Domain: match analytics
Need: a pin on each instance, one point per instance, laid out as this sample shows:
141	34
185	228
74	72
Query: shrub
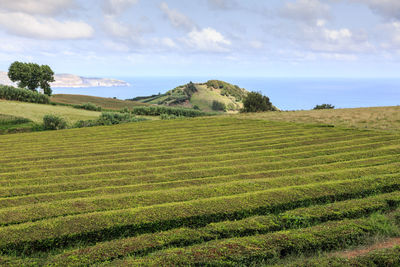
168	117
256	102
108	118
24	95
196	107
158	110
218	106
53	122
125	110
324	106
88	106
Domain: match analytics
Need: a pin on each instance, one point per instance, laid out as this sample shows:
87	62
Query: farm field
35	112
205	191
105	103
381	118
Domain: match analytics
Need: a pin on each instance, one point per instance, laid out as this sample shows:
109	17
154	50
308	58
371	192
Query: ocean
285	93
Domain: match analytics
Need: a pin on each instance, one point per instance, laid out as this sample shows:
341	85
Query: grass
104	103
205	191
382	118
35	112
204	97
12	124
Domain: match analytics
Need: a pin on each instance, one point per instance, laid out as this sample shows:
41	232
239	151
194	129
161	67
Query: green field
12	124
381	118
203	191
105	103
35	112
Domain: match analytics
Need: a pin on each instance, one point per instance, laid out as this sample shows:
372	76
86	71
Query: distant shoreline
73	81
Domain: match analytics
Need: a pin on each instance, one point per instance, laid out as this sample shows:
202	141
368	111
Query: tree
256	102
218	106
47	76
31	76
324	106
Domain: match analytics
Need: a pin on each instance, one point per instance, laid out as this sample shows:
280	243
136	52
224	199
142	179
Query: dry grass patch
382	118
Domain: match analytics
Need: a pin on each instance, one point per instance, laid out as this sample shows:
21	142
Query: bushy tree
218	106
53	122
324	106
256	102
31	76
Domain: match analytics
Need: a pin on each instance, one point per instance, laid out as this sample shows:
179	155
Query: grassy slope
35	112
222	190
106	103
10	123
383	118
203	98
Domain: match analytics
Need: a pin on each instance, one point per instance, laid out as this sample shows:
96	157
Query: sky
237	38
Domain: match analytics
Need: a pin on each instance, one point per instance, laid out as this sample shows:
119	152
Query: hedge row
269	247
158	110
280	141
381	257
281	138
101	226
215	155
215	149
145	198
142	182
301	217
124	200
187	152
258	163
55	180
24	95
63	191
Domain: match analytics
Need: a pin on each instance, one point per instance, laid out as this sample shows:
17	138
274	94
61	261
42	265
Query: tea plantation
204	191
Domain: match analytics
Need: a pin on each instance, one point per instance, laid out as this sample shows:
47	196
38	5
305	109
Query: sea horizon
295	93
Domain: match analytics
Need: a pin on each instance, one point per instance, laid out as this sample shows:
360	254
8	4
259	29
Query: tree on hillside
256	102
324	106
31	76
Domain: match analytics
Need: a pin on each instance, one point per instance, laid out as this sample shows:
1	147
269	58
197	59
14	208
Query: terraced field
217	191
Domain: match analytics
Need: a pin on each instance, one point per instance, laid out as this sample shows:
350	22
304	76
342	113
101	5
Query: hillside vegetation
200	95
203	191
35	112
382	118
103	102
12	124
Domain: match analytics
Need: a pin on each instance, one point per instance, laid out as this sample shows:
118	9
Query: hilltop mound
204	96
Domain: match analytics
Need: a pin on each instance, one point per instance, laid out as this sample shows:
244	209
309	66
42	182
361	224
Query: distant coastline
73	81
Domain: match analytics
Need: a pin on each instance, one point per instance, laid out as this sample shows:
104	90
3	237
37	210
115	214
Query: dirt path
389	243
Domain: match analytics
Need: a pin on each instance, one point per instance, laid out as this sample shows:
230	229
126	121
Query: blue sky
274	38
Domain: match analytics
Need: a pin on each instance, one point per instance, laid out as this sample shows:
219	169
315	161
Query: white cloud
389	34
207	40
26	25
223	4
256	44
176	18
340	41
116	28
308	11
168	42
43	7
387	8
116	7
115	46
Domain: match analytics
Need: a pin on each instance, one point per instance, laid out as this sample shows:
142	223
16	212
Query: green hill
201	95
